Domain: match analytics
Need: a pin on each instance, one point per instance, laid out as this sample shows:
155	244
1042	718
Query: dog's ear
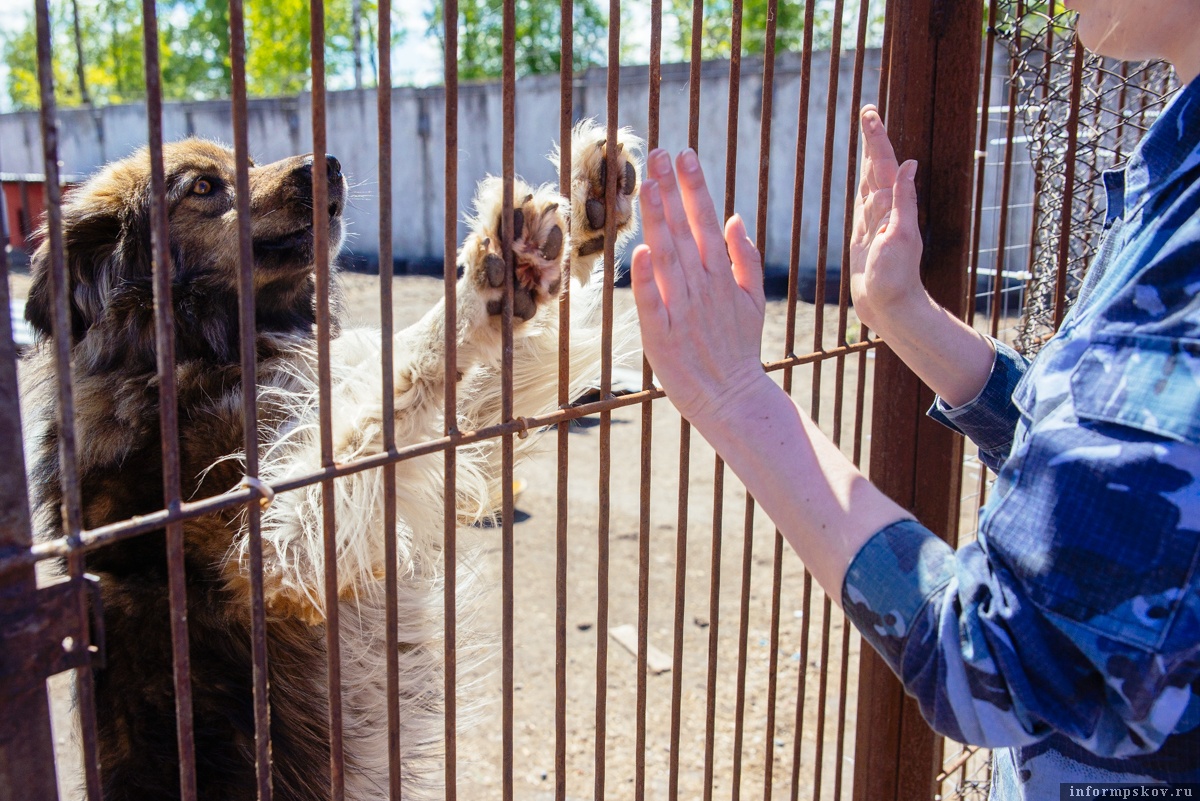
97	255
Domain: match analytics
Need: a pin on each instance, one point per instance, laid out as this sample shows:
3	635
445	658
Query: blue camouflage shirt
1068	636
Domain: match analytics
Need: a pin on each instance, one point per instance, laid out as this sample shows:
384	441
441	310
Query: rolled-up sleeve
990	418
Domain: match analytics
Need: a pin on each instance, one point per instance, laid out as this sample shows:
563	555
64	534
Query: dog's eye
202	187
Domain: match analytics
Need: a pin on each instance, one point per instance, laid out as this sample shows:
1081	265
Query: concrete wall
281	127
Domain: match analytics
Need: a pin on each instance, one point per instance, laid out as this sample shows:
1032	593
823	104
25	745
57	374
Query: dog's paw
538	242
590	206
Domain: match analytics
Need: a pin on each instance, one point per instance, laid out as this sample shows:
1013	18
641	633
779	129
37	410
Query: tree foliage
538	36
193	49
717	27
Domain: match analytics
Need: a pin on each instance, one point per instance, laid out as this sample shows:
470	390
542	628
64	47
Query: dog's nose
335	167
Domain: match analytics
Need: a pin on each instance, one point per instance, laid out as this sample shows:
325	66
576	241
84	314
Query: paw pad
537	246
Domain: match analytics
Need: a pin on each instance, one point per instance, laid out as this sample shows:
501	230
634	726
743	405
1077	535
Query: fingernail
869	123
650	192
910	170
688	160
660	163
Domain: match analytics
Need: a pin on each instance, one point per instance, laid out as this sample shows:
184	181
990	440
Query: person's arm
995	641
701	318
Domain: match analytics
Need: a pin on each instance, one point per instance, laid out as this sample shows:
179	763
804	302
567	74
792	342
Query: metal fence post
931	100
26	744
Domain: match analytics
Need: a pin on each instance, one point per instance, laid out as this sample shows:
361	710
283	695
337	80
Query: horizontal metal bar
141	524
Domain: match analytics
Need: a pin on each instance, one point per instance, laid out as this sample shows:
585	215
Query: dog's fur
107	237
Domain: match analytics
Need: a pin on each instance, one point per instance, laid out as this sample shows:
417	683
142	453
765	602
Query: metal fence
831	722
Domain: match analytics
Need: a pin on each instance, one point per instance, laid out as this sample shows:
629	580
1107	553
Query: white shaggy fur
292	524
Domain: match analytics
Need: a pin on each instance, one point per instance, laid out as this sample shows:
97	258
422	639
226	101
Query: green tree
717	30
193	49
538	36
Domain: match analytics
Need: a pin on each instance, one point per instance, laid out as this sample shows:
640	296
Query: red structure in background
24	205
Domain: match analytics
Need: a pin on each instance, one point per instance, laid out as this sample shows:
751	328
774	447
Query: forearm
953	359
822	504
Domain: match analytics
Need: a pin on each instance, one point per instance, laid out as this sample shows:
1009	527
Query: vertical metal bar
835	60
760	234
885	56
685	444
714	595
566	105
610	234
383	113
1064	233
694	75
320	193
639	782
26	741
835	54
981	157
72	507
506	393
450	412
685	430
802	681
164	334
789	350
840	369
714	625
739	704
248	342
1005	185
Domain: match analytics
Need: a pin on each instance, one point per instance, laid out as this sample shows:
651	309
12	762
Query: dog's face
106	230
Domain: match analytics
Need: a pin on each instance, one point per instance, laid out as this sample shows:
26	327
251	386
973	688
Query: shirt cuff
889	582
990	418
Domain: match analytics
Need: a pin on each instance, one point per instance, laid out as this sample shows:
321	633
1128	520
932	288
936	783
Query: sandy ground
479	744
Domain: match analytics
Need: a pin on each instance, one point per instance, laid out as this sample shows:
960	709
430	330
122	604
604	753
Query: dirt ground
831	661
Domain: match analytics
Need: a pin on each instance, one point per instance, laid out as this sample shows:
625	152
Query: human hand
699	294
885	247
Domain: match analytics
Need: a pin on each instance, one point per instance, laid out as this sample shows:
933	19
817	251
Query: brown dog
107	236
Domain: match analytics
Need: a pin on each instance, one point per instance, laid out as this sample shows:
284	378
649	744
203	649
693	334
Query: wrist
899	315
736	405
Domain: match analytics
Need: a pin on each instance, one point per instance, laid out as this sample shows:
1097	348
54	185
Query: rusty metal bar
739	703
565	108
685	452
835	55
1005	186
566	105
1064	235
249	357
26	739
72	507
645	461
164	335
840	361
835	60
981	157
383	113
714	592
320	194
506	400
714	601
606	340
760	234
450	412
802	681
115	532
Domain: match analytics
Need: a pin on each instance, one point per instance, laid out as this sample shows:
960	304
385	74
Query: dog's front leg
538	244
